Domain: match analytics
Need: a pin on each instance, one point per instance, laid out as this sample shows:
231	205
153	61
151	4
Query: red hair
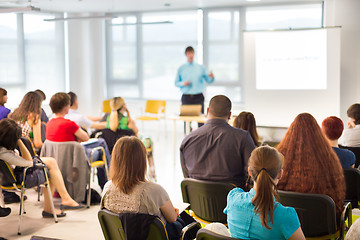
311	165
332	127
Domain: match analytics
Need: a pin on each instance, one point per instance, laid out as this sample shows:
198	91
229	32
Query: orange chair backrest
106	106
155	106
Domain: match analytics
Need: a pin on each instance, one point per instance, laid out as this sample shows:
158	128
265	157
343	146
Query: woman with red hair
333	128
311	165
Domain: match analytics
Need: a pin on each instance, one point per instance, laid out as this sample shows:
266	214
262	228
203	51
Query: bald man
217	151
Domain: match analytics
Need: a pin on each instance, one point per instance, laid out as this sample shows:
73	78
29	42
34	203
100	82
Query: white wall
280	107
345	13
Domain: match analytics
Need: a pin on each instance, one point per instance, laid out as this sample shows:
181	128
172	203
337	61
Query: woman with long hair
311	165
28	116
4	112
10	134
129	191
117	119
257	214
246	121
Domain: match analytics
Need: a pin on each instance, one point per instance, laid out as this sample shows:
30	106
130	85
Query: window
9	68
44	54
164	46
284	17
143	58
123	71
32	55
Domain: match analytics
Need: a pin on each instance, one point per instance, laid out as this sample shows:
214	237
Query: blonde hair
265	163
117	103
128	163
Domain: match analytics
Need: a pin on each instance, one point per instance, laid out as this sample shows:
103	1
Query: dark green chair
204	234
207	199
352	179
317	214
113	230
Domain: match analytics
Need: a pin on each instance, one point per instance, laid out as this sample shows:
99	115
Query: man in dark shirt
217	151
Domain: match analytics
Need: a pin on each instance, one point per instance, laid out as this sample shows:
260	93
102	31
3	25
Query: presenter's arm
178	80
208	77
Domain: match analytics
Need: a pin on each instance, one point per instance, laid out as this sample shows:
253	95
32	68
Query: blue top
245	224
194	73
347	158
4	112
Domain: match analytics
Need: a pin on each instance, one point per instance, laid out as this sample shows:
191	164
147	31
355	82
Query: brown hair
3	93
10	133
220	106
311	165
128	163
58	101
31	103
41	93
246	121
265	164
354	112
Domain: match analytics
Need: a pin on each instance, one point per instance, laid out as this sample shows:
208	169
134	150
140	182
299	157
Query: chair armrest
346	214
189	227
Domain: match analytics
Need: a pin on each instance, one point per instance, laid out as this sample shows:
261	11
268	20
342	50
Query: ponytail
265	163
264	197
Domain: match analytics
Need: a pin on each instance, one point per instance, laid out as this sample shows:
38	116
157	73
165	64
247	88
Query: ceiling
100	6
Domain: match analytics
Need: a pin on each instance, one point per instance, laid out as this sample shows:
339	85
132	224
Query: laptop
190	110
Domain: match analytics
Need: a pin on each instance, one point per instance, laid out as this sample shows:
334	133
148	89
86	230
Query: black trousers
188	99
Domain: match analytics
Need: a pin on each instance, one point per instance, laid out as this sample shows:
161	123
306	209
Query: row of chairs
207	200
10	183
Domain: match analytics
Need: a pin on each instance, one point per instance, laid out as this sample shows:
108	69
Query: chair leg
52	201
21	209
89	190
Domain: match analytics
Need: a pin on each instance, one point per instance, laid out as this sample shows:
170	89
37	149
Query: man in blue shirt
191	78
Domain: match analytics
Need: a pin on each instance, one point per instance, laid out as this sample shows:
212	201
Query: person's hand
187	83
177	211
351	124
211	74
112	107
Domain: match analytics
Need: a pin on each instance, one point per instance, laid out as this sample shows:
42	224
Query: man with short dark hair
43	116
191	78
217	151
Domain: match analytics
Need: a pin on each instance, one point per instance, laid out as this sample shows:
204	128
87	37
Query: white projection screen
290	72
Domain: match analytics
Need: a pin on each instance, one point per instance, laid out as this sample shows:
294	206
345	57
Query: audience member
257	214
4	112
354	231
80	119
10	138
217	151
59	129
246	121
44	117
117	119
351	135
28	115
333	128
128	191
311	165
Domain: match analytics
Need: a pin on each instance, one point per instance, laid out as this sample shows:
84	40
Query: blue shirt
245	224
4	112
347	158
194	73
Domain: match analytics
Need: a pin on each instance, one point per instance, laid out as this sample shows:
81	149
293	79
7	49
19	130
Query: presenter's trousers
196	99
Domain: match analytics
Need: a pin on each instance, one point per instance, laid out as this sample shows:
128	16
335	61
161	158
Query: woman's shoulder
153	187
284	213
